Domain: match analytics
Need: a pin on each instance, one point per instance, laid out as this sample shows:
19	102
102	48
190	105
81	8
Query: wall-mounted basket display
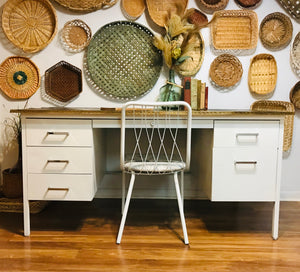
19	77
133	9
86	5
262	75
234	31
292	7
121	61
75	36
29	25
226	70
295	95
295	54
276	31
196	17
63	82
248	4
279	106
191	65
160	10
210	6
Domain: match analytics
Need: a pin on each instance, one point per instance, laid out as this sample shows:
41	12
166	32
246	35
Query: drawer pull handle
247	137
245	162
57	133
60	136
58	189
58	161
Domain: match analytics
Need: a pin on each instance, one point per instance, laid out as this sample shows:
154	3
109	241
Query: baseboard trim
290	196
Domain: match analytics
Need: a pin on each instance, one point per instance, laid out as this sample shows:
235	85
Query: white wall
238	98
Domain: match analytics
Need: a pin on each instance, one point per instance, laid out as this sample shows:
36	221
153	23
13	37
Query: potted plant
12	177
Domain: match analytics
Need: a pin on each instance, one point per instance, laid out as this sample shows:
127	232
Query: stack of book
195	92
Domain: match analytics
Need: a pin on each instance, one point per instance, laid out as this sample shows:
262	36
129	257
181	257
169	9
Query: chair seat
154	167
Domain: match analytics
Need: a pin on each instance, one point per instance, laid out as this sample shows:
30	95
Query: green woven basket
121	61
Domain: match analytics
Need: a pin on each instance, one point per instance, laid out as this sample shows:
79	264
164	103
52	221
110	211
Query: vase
171	91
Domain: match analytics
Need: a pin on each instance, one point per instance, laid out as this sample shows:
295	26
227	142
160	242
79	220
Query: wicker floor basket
276	31
210	6
295	95
282	106
86	5
262	75
29	25
295	55
226	70
160	10
133	9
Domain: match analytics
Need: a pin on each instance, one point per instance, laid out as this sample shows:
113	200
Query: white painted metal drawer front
58	132
60	187
72	160
244	174
246	133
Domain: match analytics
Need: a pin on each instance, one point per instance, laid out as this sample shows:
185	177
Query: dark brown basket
12	184
295	95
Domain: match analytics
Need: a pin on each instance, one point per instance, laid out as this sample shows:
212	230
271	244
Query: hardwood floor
80	236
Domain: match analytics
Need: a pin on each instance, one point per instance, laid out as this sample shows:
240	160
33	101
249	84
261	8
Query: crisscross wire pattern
155	137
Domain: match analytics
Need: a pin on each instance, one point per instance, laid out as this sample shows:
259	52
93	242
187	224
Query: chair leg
182	187
123	190
125	210
180	206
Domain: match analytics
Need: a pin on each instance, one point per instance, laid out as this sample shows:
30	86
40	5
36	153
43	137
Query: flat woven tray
276	31
269	105
75	36
160	10
19	77
295	95
86	5
226	70
262	75
251	4
121	61
292	7
196	53
210	6
295	54
133	9
63	81
234	30
29	25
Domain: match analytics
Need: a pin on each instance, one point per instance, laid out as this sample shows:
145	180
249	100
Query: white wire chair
154	147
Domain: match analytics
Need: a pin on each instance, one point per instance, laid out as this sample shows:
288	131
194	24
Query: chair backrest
156	132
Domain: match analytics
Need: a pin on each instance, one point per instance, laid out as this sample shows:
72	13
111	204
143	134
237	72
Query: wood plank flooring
80	236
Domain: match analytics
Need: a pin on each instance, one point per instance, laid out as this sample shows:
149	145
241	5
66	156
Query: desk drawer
244	174
72	160
246	133
58	132
60	187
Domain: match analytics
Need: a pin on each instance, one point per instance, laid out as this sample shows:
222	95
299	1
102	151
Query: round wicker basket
19	77
86	5
295	55
210	6
29	25
160	10
276	31
226	70
248	4
133	9
292	7
262	75
295	95
75	36
196	17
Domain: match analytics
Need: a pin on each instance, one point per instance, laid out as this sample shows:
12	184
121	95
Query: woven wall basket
248	4
75	36
191	66
86	5
226	70
19	77
160	10
292	7
279	106
295	95
121	61
133	9
29	25
196	17
295	54
276	31
262	75
210	6
234	31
